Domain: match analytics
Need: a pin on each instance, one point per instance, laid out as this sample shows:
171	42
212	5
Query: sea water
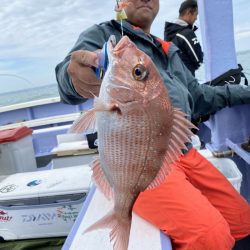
28	94
51	90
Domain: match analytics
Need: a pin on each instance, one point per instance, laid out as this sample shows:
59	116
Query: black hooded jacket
184	38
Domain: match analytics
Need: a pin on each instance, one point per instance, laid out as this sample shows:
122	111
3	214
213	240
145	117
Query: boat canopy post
217	29
216	19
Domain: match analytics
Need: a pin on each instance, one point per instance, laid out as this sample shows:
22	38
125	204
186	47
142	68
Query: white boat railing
30	104
43	121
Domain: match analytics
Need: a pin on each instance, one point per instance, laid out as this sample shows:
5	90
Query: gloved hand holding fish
140	134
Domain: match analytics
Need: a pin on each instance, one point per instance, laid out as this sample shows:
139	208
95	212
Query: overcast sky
37	34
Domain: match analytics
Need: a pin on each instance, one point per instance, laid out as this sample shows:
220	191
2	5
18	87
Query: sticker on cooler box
8	188
40	218
67	213
4	216
34	183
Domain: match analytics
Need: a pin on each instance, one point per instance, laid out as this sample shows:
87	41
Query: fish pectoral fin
100	180
120	229
85	122
181	132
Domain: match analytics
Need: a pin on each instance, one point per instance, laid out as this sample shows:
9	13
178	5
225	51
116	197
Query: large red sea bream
140	134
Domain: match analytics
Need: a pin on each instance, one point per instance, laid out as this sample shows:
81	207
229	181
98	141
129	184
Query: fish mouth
124	43
114	49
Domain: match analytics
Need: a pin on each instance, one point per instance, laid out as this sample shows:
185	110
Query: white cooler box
226	166
16	151
43	203
229	169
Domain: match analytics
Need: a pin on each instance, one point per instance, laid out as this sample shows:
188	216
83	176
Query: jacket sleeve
209	99
91	39
189	44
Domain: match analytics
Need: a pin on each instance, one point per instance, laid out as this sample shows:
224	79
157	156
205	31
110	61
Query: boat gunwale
29	104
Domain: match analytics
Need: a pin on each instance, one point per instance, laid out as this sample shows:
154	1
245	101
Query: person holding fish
147	162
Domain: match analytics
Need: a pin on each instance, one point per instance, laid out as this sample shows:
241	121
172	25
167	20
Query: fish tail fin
119	235
120	230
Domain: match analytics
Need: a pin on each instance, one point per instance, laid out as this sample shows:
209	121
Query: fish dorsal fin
85	122
181	132
100	179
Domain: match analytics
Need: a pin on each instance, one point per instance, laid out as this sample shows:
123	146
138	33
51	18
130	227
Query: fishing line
117	2
120	15
122	27
18	77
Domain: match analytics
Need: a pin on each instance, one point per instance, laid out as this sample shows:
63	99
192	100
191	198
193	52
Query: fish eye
140	72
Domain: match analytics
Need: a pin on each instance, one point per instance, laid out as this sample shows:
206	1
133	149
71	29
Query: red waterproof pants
196	207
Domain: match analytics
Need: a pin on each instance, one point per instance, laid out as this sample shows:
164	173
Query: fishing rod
18	77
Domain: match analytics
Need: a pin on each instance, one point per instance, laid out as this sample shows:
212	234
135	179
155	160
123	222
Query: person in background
196	206
182	34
